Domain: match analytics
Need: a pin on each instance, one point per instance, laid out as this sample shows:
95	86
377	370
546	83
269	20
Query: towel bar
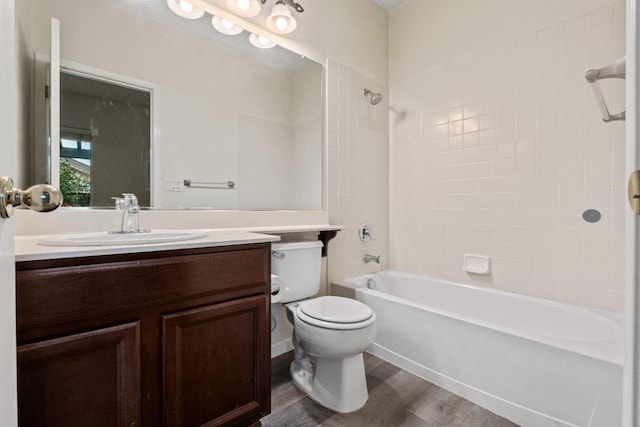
228	185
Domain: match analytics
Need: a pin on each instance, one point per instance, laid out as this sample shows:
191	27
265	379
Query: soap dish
477	264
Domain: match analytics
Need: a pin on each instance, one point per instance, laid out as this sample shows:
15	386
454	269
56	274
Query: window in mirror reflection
105	140
75	166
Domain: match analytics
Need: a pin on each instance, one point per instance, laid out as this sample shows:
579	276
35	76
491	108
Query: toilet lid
336	309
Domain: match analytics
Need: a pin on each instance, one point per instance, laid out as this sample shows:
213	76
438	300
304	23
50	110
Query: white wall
307	123
265	151
497	146
280	164
351	32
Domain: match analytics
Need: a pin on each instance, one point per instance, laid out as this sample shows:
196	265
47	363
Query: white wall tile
359	164
517	151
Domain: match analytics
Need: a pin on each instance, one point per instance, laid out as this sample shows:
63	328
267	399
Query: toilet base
337	384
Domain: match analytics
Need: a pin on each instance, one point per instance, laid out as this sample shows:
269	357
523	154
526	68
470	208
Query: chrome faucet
130	222
130	208
372	258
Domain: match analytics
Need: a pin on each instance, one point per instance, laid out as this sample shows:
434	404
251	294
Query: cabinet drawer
52	295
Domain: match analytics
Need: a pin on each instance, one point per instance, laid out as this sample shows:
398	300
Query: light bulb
244	8
186	6
282	23
261	41
185	9
225	27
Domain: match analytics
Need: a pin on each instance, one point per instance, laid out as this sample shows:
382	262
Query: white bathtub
536	362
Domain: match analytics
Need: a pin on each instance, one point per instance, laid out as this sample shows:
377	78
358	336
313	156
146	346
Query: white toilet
330	333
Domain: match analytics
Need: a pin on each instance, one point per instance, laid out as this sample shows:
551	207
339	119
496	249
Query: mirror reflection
105	131
216	114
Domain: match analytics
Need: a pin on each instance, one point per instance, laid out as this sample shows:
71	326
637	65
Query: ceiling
389	4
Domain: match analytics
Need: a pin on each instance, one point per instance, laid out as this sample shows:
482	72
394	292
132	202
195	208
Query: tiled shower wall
358	181
499	151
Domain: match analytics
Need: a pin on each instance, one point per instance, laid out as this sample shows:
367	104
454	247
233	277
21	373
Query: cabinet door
216	364
87	379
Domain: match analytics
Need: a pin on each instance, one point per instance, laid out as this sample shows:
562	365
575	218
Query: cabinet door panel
87	379
216	370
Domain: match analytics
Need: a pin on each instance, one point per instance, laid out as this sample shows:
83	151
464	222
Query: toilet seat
335	313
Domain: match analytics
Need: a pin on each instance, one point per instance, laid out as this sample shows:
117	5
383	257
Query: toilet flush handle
278	254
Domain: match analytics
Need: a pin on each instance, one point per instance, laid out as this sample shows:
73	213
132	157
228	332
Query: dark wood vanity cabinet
173	338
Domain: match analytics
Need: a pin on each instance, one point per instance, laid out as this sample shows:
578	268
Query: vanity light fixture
261	41
185	9
244	8
226	27
280	21
297	6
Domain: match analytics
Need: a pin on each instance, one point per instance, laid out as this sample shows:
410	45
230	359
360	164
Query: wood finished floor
396	398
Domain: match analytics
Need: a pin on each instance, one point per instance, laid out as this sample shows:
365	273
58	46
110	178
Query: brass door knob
40	198
634	192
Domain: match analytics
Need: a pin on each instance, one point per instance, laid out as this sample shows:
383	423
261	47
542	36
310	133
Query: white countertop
292	229
27	248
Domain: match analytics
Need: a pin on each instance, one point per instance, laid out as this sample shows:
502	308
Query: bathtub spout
372	258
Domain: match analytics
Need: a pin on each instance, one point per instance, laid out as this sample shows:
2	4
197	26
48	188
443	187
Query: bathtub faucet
370	258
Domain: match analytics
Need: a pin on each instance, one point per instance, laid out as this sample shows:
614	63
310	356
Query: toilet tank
297	265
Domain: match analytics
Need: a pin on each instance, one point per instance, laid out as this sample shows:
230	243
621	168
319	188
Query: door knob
40	198
634	192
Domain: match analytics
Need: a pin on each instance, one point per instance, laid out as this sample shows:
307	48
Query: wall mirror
105	135
216	113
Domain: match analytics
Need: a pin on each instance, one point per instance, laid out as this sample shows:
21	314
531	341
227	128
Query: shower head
375	97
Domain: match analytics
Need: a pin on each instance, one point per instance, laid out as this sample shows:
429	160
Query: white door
8	150
631	405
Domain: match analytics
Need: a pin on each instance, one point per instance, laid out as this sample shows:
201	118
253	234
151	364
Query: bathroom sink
106	239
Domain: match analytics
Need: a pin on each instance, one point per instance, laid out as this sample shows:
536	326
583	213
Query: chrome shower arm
616	70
